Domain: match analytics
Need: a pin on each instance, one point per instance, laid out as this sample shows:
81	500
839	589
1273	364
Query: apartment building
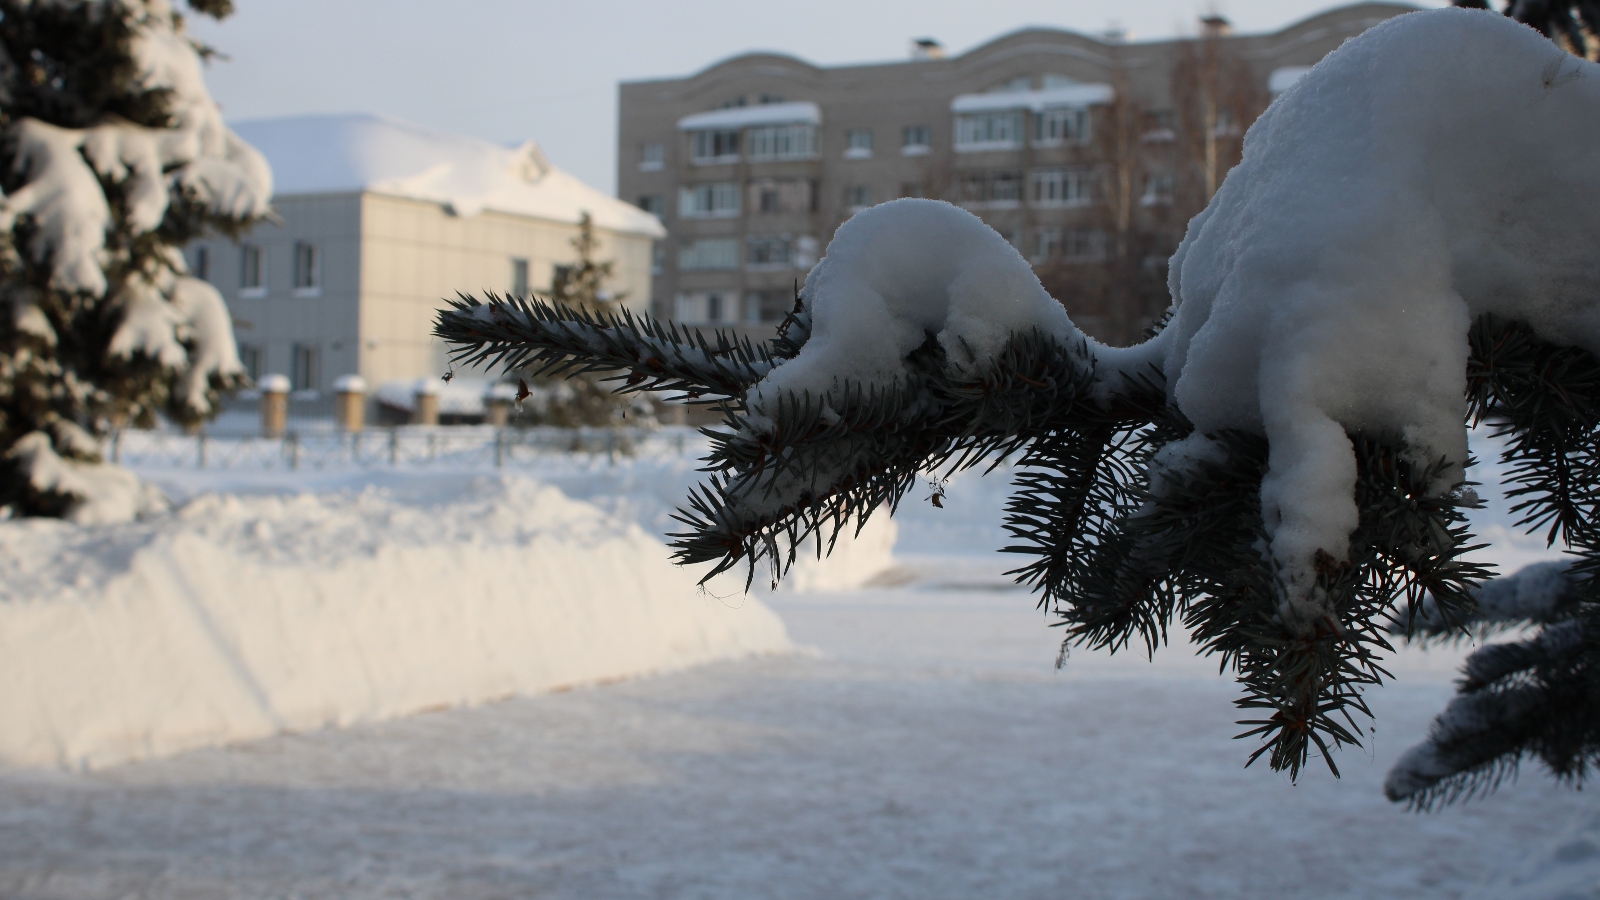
1069	145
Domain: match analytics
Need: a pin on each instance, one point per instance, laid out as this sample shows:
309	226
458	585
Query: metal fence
406	445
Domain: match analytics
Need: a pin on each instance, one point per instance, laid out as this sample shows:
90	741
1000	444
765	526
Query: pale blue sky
508	70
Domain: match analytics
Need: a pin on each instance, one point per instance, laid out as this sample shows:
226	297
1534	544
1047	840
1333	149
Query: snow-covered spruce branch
1281	468
512	333
112	155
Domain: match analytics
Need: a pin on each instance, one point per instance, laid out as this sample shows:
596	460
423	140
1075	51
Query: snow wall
237	617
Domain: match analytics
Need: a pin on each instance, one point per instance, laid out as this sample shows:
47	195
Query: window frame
252	270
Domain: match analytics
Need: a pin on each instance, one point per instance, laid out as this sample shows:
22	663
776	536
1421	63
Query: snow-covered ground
923	746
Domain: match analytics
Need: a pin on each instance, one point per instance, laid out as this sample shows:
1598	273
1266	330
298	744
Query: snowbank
238	617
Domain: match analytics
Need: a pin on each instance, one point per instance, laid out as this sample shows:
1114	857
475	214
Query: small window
988	131
202	263
714	146
768	251
781	142
910	189
250	358
1047	244
999	190
307	269
709	201
915	140
305	369
652	157
519	277
658	258
858	197
560	277
1159	189
1063	187
1054	127
252	271
858	144
767	306
651	203
1083	246
706	308
709	254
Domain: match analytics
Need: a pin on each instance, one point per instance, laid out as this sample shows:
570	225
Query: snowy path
930	752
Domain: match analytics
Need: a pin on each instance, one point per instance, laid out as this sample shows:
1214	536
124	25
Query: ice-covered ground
927	749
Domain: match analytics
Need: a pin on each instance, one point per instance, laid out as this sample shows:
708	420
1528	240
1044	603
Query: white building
380	220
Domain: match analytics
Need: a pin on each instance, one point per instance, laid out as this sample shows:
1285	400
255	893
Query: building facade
378	222
1080	150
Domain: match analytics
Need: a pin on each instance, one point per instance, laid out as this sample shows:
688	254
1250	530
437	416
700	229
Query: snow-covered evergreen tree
112	156
1408	244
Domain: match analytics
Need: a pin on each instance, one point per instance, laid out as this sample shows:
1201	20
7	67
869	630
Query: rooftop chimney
1215	26
926	48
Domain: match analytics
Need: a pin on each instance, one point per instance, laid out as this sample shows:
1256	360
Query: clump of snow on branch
898	272
1400	189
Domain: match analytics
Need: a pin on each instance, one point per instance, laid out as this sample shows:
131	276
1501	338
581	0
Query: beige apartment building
1073	147
377	222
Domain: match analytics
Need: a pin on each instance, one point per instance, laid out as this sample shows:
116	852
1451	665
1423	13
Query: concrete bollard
425	400
274	405
350	402
497	400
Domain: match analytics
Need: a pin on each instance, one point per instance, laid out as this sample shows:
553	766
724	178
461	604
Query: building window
709	254
768	251
709	201
652	157
651	203
988	131
250	358
779	142
777	196
916	140
252	271
858	197
714	146
305	368
706	308
1054	127
858	143
1063	187
765	307
658	258
1159	188
202	263
519	277
1046	244
991	189
1083	246
307	270
560	278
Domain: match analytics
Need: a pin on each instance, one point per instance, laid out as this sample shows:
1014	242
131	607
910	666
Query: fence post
294	449
116	446
394	446
274	405
200	449
350	402
433	445
611	446
499	448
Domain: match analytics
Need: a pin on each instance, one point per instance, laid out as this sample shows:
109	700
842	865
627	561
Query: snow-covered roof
1282	79
342	153
1048	98
797	113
